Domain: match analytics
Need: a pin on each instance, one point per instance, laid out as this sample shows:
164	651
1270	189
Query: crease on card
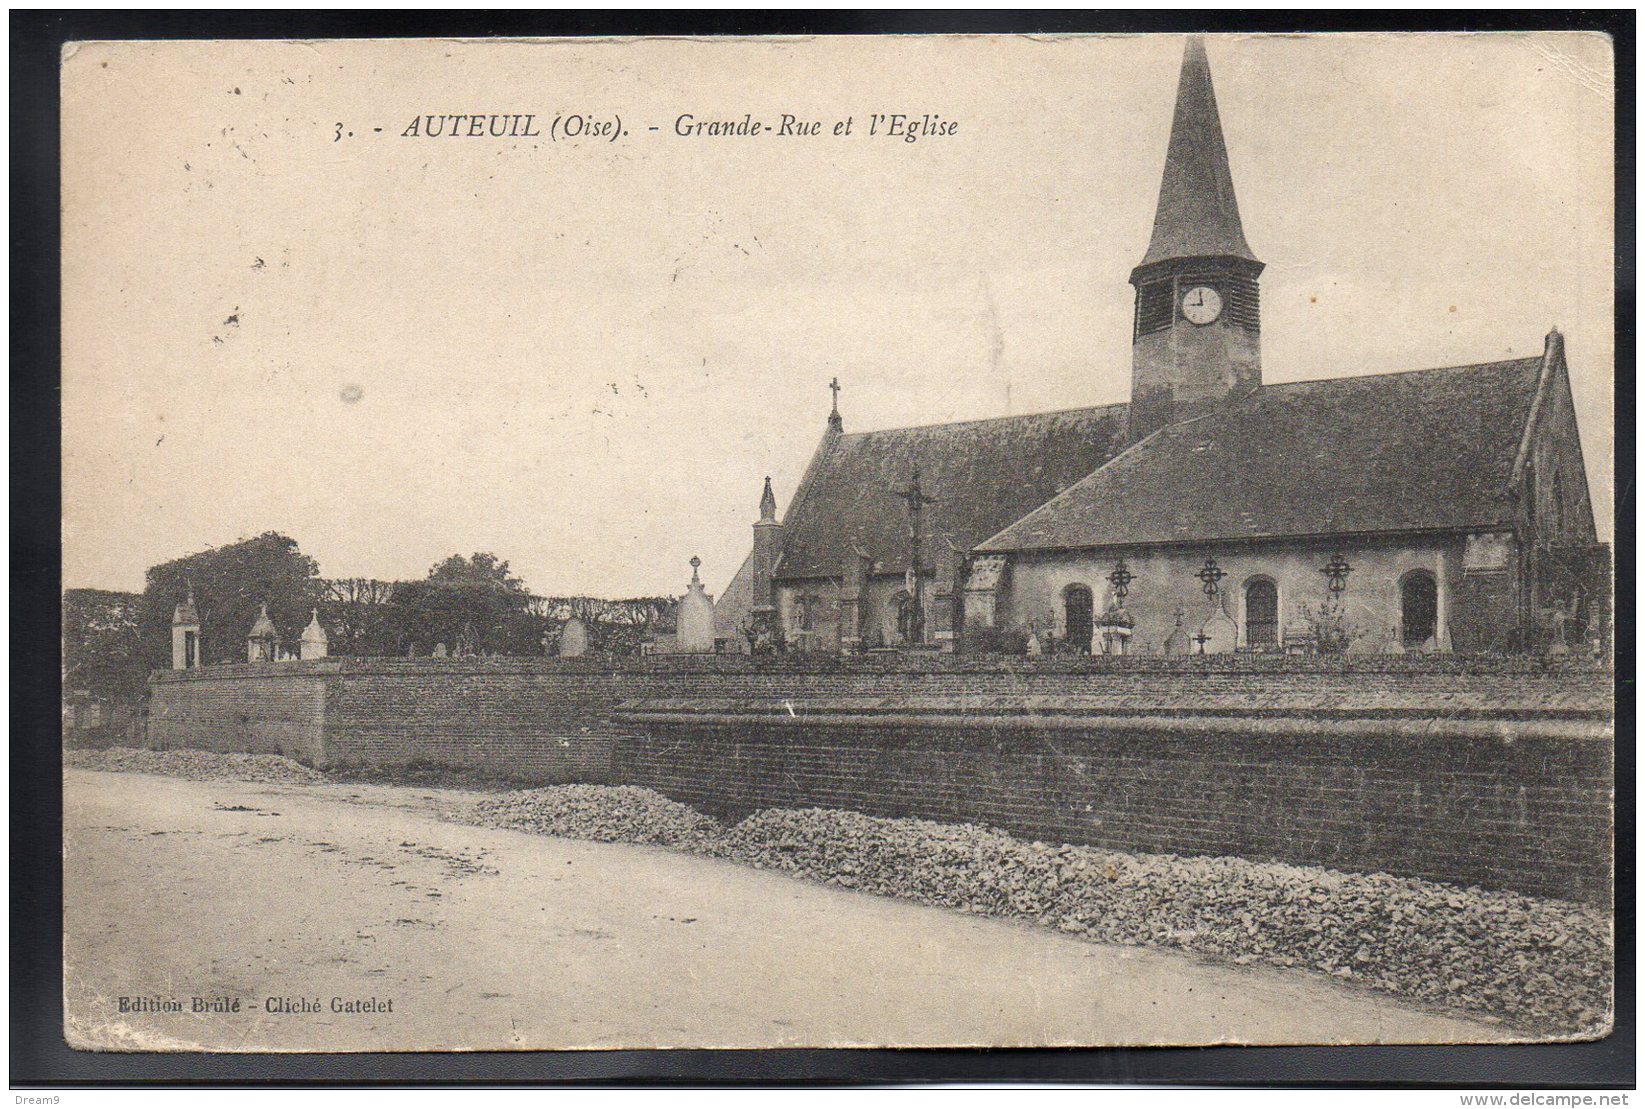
1594	80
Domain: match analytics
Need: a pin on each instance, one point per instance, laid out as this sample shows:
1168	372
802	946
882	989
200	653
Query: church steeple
1197	216
1195	340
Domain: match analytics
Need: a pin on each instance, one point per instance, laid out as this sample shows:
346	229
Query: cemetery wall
1488	771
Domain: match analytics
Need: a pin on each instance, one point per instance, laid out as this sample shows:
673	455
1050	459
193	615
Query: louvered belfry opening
1158	304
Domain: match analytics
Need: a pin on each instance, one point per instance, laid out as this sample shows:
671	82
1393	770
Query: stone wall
1490	771
532	720
275	708
1476	610
1453	804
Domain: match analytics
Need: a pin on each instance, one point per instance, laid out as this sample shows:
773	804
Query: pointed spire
695	563
186	614
263	626
314	643
1197	216
768	504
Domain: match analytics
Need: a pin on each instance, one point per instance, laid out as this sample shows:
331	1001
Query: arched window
1418	608
1077	611
1261	613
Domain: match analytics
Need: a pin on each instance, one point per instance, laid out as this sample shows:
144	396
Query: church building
1434	510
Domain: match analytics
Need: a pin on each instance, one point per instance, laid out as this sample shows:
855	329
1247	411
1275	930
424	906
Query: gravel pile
610	814
200	766
1539	964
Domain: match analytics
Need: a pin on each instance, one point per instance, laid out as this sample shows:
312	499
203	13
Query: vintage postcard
838	541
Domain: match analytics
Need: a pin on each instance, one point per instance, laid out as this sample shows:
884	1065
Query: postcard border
39	1056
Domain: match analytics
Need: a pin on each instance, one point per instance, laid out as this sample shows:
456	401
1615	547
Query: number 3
338	137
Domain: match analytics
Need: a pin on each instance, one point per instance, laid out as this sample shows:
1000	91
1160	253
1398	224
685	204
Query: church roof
984	474
1433	449
1197	216
735	601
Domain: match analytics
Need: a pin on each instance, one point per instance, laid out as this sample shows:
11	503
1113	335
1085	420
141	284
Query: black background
39	1056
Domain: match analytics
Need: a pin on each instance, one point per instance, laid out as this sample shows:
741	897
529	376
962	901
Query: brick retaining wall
1521	810
1469	770
530	723
264	709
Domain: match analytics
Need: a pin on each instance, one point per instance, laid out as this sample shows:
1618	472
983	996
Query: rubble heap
199	766
1538	964
609	814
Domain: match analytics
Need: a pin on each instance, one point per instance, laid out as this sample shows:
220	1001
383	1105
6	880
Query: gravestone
695	621
573	638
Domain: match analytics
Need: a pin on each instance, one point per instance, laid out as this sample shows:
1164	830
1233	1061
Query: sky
585	355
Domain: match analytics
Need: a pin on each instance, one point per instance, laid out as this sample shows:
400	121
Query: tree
473	605
622	626
614	627
103	644
1328	629
230	584
361	618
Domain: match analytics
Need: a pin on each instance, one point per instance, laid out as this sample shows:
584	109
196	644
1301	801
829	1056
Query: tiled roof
735	602
984	474
1432	449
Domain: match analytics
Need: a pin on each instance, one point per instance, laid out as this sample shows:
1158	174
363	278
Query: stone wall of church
1475	609
1484	610
1559	507
810	614
1556	510
1476	601
877	609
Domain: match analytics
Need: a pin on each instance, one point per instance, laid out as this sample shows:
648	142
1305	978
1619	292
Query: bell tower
1196	332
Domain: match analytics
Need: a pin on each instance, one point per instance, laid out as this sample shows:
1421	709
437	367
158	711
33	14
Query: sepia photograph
880	541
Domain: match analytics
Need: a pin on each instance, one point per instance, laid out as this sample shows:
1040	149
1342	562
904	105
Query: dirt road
345	917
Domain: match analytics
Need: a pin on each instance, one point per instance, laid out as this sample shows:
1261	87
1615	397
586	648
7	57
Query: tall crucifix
834	420
916	500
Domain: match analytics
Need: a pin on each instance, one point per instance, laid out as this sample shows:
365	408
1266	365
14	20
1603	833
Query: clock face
1201	304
